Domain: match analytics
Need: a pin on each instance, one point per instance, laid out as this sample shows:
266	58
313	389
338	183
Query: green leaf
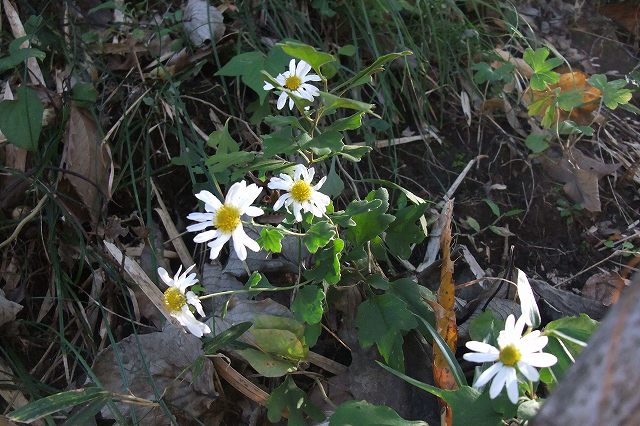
222	141
361	413
381	320
485	73
485	327
307	305
501	231
283	121
21	119
86	414
318	236
473	223
327	264
267	364
18	55
326	143
248	66
528	409
84	94
568	127
334	185
290	397
372	223
270	239
568	100
542	67
404	232
348	123
354	153
280	336
212	345
536	143
347	50
279	142
54	403
333	102
469	406
493	206
613	92
308	54
363	76
575	331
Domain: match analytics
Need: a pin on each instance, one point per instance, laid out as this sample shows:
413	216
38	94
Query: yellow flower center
301	191
227	219
293	82
174	300
510	355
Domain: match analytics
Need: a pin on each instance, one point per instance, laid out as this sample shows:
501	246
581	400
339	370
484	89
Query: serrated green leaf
270	239
326	143
288	396
568	100
348	123
484	327
283	121
54	403
333	102
21	119
308	54
354	153
377	66
372	223
613	92
307	306
318	236
279	142
361	413
381	320
222	141
280	336
536	143
327	264
404	231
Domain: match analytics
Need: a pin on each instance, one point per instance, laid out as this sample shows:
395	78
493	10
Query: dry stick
35	73
615	253
24	221
172	231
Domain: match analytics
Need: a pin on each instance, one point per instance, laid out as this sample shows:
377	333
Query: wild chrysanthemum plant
300	193
295	82
515	353
177	300
226	219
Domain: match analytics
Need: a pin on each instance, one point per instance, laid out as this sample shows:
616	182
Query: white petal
291	103
194	301
321	199
282	99
281	78
509	323
208	198
296	211
299	171
310	89
311	77
481	347
235	193
200	217
176	277
277	183
512	385
499	381
529	372
480	357
320	183
198	226
281	201
268	86
304	94
217	244
162	273
247	198
292	67
310	173
303	69
253	211
519	327
206	236
539	359
487	375
534	343
241	238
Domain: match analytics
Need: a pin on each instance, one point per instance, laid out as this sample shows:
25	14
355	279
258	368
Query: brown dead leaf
8	309
604	287
626	14
170	363
445	316
88	161
580	174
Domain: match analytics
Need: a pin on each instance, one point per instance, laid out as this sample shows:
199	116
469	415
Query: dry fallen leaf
580	174
8	309
604	287
203	22
170	363
88	161
626	14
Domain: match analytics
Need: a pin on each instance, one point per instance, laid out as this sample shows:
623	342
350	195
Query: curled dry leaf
173	365
580	175
203	22
604	287
88	161
8	309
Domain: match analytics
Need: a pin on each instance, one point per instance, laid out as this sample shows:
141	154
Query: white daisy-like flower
514	351
225	218
177	300
300	193
295	81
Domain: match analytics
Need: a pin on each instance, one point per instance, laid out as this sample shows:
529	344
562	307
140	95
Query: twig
23	222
